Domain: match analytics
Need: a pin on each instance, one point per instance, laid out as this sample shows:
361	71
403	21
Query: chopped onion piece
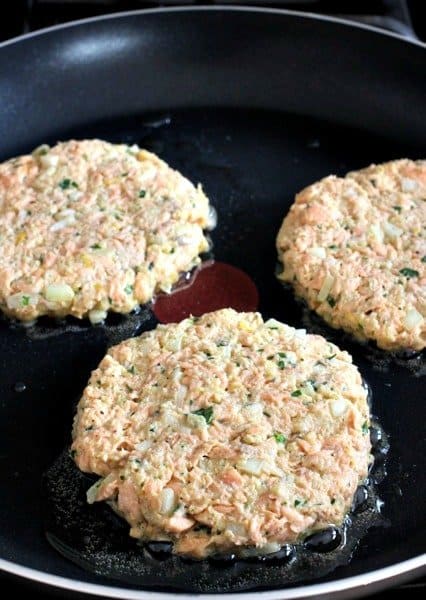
252	466
273	323
196	421
391	230
40	150
49	160
318	252
144	446
377	232
254	411
59	292
92	492
408	185
237	529
97	316
63	223
168	501
413	318
300	334
339	407
327	284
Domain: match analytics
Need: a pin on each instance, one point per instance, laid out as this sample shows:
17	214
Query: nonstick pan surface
255	105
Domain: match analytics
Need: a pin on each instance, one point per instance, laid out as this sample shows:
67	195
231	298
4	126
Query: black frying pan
255	104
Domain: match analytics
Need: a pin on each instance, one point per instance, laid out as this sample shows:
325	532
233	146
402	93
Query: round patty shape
355	249
225	432
89	226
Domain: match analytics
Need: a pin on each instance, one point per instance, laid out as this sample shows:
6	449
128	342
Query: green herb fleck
25	300
298	503
408	273
150	266
272	327
131	369
128	289
221	344
331	301
333	500
296	393
265	412
330	357
333	247
142	193
65	184
397	208
73	453
282	354
364	428
172	250
281	364
95	246
424	259
207	413
280	438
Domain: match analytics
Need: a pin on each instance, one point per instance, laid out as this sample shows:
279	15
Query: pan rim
216	8
379	578
383	577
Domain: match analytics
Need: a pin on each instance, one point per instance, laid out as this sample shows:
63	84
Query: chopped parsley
131	369
265	412
364	428
397	208
221	343
280	438
424	259
330	357
95	246
282	362
296	393
142	193
25	300
298	502
409	273
65	184
150	266
331	301
128	289
273	327
333	500
207	413
333	247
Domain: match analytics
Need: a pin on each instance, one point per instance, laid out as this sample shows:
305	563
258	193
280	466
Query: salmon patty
88	227
354	248
224	433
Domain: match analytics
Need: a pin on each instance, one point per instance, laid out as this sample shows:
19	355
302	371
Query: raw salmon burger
355	249
88	226
224	433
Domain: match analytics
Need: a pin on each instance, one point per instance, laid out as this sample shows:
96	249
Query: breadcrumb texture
88	227
225	433
354	248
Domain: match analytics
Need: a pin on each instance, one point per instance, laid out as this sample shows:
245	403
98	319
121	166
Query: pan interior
251	163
